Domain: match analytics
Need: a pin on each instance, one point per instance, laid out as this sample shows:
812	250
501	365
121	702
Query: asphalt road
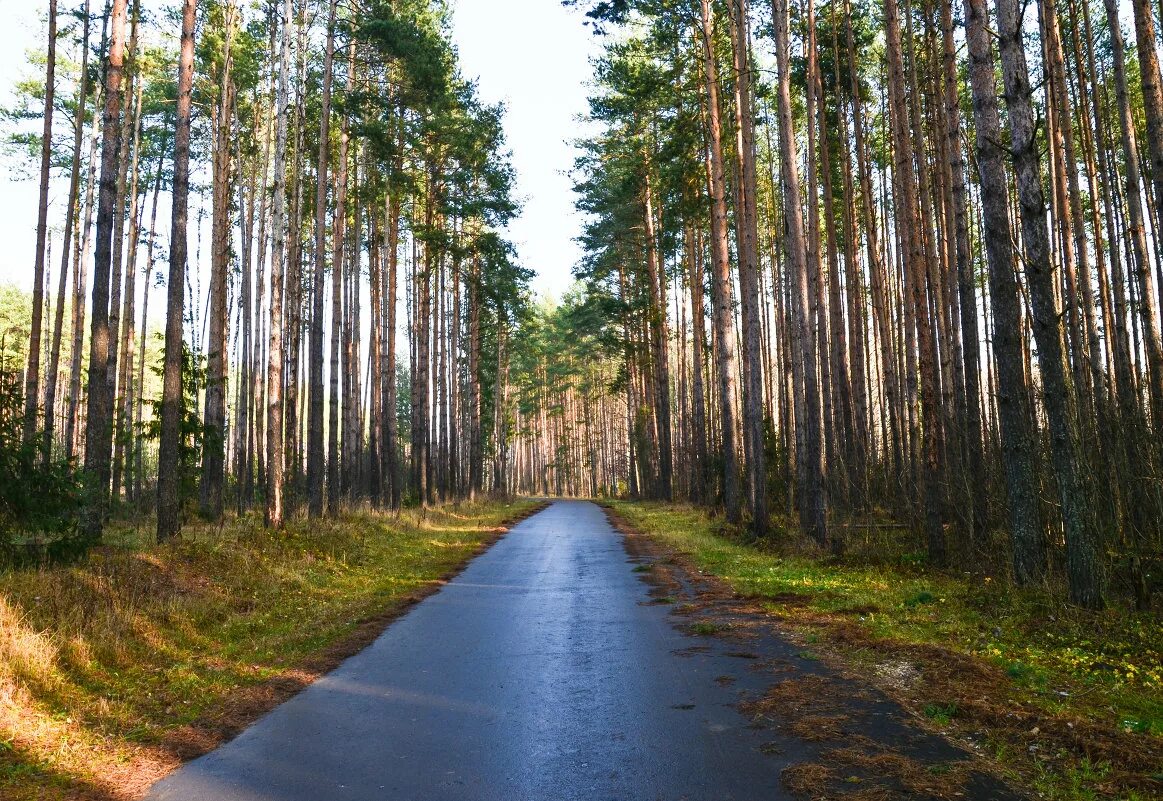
544	672
541	672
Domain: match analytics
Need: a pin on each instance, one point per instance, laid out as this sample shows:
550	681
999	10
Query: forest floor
1066	703
116	669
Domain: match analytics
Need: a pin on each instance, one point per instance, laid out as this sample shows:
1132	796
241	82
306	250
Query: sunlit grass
103	663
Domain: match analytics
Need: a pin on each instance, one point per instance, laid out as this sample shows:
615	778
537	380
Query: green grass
1099	667
110	666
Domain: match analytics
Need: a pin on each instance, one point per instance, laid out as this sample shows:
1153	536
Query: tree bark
1083	567
32	372
1013	400
721	271
812	492
315	455
99	408
169	467
275	357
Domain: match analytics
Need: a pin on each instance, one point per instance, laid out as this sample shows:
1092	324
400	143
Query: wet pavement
548	669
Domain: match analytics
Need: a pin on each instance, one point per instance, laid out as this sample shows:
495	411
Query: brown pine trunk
747	231
99	408
315	456
1083	567
169	466
211	498
475	445
811	492
698	426
721	271
32	372
338	234
275	462
1013	398
909	225
389	374
659	339
50	392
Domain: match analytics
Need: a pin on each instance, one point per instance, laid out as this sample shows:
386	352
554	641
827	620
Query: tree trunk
50	392
169	452
275	357
32	372
721	271
211	501
812	494
1083	567
1013	399
916	279
315	455
747	231
99	409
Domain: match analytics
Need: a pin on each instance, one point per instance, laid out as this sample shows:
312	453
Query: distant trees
854	228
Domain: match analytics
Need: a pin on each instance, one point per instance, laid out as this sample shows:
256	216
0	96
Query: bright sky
533	56
19	32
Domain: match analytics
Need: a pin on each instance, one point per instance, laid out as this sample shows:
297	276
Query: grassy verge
114	670
1070	701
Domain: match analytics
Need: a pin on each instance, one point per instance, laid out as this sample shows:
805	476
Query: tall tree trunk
124	365
812	492
389	376
698	426
659	340
50	392
475	445
1013	399
909	225
169	453
1152	85
99	408
32	373
211	500
966	289
721	270
315	454
338	233
275	357
747	228
1083	567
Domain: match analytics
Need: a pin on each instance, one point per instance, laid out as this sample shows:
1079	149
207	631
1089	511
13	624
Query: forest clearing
786	378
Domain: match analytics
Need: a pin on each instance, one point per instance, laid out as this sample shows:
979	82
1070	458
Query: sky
533	55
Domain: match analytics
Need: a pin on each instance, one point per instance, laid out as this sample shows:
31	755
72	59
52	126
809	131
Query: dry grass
808	779
115	669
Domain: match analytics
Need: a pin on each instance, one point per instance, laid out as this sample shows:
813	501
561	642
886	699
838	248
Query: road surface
545	671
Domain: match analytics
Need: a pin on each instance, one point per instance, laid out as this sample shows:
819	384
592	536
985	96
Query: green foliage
920	597
192	433
40	501
941	714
